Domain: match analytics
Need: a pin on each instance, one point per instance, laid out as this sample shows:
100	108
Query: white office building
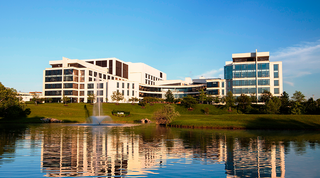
77	79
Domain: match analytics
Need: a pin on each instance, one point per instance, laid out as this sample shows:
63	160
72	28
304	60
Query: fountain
96	117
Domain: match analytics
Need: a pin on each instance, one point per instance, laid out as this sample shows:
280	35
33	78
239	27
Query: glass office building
253	73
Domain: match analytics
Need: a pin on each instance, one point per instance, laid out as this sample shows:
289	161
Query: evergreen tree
169	96
272	106
202	96
230	100
285	103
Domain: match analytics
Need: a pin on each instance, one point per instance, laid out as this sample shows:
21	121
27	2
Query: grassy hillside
217	118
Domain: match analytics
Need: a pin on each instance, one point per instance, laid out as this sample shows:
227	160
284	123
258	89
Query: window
276	74
276	83
112	78
100	93
50	86
127	92
53	72
133	86
132	93
90	79
90	92
95	74
213	84
264	82
222	91
117	84
90	85
276	67
100	75
222	84
123	92
100	85
122	85
81	86
276	91
146	75
146	81
128	85
104	76
90	72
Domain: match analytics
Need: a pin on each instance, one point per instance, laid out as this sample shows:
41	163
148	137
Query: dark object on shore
144	121
51	120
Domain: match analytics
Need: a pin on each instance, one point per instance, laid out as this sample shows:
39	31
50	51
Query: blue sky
181	38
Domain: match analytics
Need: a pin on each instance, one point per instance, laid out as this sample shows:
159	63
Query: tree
272	106
10	107
91	97
216	99
230	100
265	96
253	98
311	106
298	97
188	101
209	99
133	99
117	96
243	101
202	96
165	115
169	96
285	103
296	108
65	99
35	98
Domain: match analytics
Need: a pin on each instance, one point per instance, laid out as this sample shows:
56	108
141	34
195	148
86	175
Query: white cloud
289	83
212	74
299	60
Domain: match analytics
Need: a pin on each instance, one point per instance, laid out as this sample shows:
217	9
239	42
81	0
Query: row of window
149	82
123	85
127	92
249	90
152	78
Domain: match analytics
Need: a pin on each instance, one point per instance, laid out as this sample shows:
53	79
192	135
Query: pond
79	150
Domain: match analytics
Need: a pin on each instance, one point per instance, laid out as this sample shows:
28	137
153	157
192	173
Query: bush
189	102
165	115
120	113
142	103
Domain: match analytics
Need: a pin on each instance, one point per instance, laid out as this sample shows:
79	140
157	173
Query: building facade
78	79
247	73
253	73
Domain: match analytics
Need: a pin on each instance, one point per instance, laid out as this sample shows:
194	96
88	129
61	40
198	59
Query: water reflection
139	151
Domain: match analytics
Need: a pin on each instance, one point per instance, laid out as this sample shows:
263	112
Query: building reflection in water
106	151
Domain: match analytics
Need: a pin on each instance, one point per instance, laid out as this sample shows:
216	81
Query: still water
63	150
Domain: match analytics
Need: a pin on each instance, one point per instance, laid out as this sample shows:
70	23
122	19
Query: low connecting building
248	73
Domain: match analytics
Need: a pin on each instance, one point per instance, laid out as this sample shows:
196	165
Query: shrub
120	113
165	115
189	102
142	103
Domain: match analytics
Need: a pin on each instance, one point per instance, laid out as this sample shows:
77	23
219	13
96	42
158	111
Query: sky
181	38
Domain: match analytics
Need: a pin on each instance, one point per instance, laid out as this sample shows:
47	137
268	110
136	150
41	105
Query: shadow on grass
281	124
35	119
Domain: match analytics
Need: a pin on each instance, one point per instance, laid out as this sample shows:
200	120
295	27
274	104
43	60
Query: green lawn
217	118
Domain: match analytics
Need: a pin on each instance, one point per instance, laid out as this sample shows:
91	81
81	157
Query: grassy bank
217	118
